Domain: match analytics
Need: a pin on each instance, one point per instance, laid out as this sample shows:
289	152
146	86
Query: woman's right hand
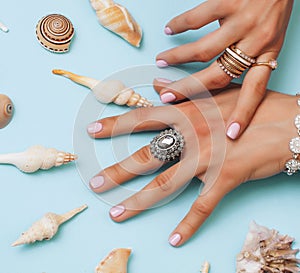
219	162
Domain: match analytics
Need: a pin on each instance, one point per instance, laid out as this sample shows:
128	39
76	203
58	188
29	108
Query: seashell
46	227
3	27
266	251
117	19
115	262
205	267
108	91
37	157
55	32
6	110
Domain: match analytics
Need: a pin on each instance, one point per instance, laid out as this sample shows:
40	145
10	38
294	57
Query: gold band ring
273	64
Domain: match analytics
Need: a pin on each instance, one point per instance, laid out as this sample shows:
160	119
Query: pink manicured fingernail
97	182
163	80
175	239
117	211
168	31
94	128
161	63
167	97
233	130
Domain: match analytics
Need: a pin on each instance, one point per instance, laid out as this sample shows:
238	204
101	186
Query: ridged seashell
37	157
115	262
55	32
117	19
6	110
108	91
266	251
46	227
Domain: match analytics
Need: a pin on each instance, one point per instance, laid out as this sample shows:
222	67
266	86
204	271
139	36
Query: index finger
195	18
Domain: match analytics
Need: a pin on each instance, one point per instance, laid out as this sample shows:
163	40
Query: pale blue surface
46	111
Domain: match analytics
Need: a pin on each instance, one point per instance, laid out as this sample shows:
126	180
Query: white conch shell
115	262
117	19
37	157
108	91
46	227
266	251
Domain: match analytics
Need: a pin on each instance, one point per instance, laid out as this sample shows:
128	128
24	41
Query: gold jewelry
234	62
273	64
293	165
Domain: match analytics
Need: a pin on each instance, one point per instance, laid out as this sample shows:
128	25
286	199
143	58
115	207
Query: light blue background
46	112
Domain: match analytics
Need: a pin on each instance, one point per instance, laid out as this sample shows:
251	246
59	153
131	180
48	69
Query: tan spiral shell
55	32
6	110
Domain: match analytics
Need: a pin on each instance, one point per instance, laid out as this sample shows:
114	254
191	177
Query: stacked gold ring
234	62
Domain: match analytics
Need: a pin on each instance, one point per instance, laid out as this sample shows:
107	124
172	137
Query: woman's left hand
208	155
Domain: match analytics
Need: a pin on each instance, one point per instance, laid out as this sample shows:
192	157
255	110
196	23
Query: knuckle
143	155
202	208
163	181
203	54
140	114
219	80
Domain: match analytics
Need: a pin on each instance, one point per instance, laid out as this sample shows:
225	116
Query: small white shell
37	157
115	262
46	227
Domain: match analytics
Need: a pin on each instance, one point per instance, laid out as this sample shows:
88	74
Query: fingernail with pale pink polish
94	128
97	182
168	31
163	80
117	211
175	239
167	97
233	130
161	63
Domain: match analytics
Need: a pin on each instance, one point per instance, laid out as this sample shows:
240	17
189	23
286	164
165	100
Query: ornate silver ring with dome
167	146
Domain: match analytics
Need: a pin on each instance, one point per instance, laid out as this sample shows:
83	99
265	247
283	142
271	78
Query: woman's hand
216	160
256	27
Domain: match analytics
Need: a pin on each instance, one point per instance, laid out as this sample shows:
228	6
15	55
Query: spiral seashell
37	157
115	262
55	32
117	19
108	91
46	227
6	110
265	250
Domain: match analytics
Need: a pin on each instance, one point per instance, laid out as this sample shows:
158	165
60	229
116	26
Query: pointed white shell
37	157
115	262
46	227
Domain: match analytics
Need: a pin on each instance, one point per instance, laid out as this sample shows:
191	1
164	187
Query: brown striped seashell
55	32
6	110
118	19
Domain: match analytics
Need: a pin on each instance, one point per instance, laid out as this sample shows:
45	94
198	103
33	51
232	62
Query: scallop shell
55	32
37	157
46	227
108	91
266	251
115	262
6	110
117	19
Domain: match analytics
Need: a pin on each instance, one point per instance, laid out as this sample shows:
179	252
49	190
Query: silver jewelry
167	146
293	165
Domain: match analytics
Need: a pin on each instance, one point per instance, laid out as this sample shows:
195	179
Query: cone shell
6	110
55	32
115	262
117	19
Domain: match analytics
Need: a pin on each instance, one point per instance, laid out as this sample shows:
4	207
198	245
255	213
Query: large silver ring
167	146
